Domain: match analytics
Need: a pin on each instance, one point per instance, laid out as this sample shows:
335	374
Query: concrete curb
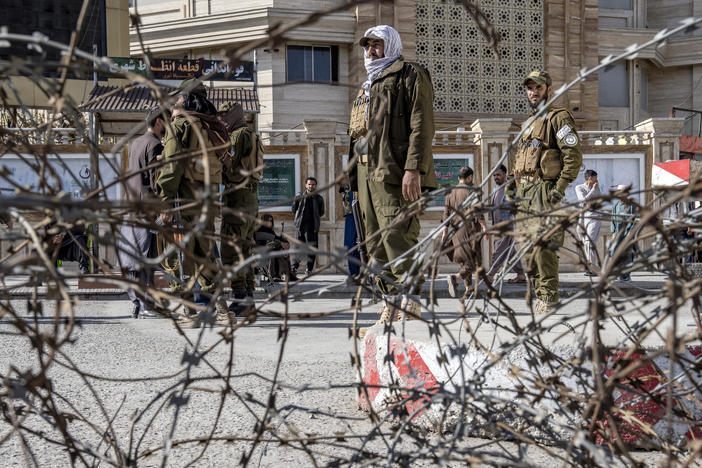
334	287
393	367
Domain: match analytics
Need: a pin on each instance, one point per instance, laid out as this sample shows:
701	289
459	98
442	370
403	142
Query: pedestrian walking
504	244
589	224
350	236
466	232
138	242
620	226
309	209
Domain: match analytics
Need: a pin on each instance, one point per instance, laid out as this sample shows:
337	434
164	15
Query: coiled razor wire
563	405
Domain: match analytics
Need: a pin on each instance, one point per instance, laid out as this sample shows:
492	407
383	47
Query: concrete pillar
321	135
117	25
492	138
663	136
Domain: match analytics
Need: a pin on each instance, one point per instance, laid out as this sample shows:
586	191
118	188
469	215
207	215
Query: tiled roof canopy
139	98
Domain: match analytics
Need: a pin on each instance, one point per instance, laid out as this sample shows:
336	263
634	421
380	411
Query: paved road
135	369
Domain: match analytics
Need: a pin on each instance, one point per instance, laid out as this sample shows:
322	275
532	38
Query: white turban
392	46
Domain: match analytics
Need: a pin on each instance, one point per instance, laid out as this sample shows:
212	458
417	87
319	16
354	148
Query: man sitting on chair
70	246
265	236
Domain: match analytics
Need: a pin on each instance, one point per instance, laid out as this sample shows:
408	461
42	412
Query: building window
313	63
613	86
615	4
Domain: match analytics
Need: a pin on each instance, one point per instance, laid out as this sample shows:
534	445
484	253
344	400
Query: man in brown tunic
467	232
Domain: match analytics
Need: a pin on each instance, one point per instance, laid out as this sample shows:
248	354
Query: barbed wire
566	378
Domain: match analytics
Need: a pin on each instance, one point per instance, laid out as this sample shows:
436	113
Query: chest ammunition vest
358	125
538	153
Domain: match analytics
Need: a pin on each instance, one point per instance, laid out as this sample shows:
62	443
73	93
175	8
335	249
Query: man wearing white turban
391	129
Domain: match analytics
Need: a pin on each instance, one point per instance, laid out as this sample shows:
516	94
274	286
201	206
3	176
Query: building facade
471	81
307	78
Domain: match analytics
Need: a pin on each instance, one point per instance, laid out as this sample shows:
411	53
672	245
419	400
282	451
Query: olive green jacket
244	157
401	126
168	179
181	138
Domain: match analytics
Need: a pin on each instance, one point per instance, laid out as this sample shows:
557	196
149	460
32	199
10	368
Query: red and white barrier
640	399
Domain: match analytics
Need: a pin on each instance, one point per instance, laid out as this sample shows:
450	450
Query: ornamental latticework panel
467	75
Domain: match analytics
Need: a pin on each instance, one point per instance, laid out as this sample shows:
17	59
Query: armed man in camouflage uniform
391	128
192	136
240	201
548	160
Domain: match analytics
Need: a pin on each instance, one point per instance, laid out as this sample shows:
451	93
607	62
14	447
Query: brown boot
542	307
410	308
190	318
384	312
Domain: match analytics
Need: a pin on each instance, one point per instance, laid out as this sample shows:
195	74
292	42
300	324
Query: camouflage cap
539	77
232	115
227	106
198	89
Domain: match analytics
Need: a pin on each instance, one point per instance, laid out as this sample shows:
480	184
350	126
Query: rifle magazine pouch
358	125
551	164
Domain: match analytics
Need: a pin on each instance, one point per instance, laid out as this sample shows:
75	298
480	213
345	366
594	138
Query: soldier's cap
371	35
538	77
198	89
227	106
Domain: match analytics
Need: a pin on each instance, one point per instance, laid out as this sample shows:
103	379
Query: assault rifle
360	232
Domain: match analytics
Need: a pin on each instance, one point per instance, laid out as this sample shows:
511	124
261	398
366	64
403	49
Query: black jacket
299	208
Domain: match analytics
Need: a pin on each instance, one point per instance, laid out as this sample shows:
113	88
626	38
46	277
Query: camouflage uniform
182	181
548	160
240	200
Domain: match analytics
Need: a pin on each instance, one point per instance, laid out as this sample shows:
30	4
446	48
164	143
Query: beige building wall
576	35
187	28
662	77
117	25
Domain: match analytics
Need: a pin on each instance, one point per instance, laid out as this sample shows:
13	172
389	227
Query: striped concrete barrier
414	380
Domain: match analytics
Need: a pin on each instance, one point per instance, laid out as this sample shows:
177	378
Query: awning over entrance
139	98
691	144
120	110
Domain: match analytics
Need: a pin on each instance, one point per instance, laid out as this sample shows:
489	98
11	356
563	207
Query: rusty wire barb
576	395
